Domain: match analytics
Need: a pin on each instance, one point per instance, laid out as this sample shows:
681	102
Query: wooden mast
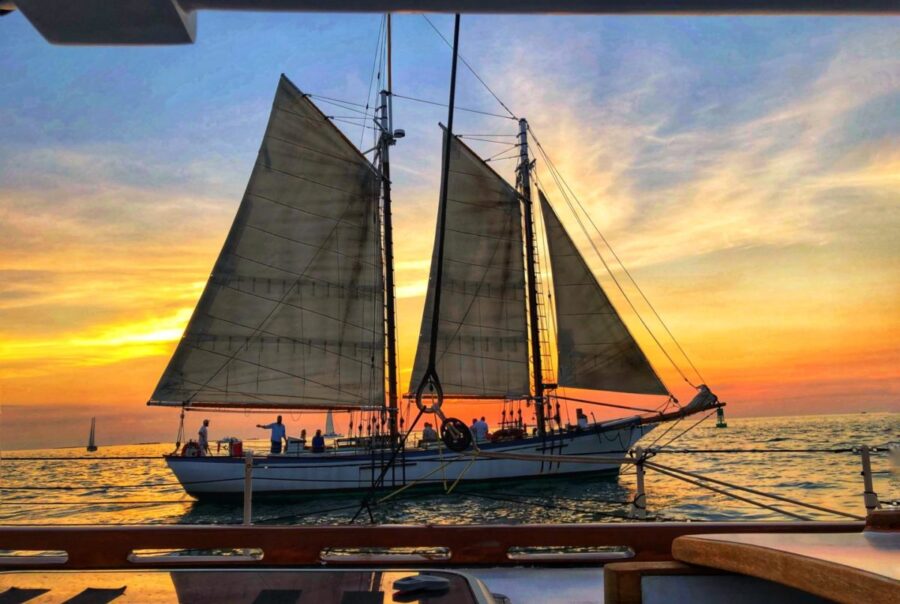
386	140
524	182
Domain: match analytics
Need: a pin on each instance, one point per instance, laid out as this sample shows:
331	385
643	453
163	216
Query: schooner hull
223	477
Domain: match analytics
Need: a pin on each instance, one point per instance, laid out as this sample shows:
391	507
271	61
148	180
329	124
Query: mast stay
454	432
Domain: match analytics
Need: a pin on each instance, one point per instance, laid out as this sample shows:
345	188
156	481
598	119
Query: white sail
92	444
596	350
329	425
482	346
292	315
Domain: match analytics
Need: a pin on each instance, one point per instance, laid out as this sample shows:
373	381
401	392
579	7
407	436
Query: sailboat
329	426
92	445
299	314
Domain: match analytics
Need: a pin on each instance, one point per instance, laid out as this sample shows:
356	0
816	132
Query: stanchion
248	488
870	498
639	504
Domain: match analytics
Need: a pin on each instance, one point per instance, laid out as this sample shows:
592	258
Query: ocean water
123	491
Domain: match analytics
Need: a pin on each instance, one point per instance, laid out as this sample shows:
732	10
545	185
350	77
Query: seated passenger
429	434
582	419
318	442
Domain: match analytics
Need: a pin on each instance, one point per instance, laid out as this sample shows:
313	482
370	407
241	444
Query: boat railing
109	547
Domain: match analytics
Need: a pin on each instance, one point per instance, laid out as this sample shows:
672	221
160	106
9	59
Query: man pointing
279	434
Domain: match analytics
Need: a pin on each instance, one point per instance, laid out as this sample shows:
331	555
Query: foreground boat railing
108	547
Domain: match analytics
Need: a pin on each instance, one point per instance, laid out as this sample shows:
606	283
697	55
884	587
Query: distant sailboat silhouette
329	426
92	445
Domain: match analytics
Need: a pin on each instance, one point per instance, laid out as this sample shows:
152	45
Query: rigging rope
375	65
811	506
688	429
471	134
564	186
340	105
471	70
487	140
557	178
733	496
614	406
334	100
430	378
438	104
506	150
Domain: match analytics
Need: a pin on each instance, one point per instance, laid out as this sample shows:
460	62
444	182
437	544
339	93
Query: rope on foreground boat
737	497
670	471
640	460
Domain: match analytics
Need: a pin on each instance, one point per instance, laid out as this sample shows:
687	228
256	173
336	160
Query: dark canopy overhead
175	21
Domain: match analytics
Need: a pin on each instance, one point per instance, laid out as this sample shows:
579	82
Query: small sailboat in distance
329	426
92	445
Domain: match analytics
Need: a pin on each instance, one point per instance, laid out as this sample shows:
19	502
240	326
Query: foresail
596	350
292	315
482	340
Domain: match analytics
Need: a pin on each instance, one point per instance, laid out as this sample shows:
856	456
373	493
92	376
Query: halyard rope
664	469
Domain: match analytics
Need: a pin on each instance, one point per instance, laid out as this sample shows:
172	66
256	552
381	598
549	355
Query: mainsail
292	315
482	345
596	350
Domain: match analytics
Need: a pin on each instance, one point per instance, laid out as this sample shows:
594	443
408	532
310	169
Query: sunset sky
747	171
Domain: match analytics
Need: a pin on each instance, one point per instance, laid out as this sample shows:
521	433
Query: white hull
209	477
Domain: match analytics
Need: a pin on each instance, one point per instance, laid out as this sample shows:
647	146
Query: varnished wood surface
883	520
851	568
92	547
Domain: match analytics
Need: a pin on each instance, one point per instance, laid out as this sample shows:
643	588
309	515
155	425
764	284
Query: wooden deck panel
849	568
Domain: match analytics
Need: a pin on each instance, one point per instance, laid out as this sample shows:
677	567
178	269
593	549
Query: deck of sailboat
554	442
584	452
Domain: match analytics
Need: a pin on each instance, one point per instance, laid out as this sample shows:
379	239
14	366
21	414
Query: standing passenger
481	430
278	434
203	438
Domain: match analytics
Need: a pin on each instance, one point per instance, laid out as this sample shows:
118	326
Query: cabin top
853	567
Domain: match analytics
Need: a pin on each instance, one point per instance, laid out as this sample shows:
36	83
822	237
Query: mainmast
524	185
386	140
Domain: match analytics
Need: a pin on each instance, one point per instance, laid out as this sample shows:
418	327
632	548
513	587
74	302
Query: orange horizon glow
763	229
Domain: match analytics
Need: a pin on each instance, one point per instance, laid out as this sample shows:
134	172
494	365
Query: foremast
386	140
523	184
